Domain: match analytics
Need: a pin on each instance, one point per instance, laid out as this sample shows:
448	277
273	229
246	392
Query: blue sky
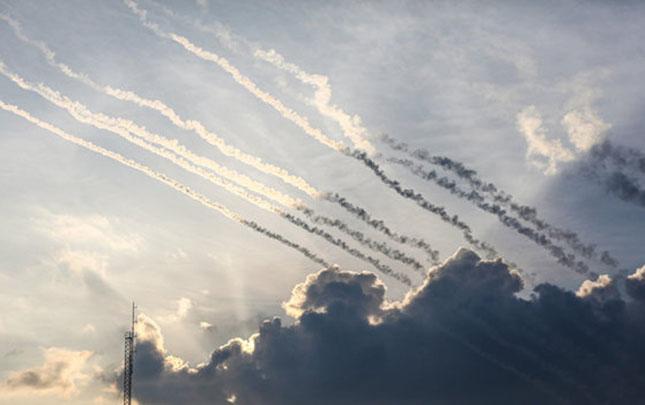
487	85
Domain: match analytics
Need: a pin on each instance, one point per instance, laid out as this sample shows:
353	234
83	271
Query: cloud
91	231
463	336
184	305
585	128
635	284
61	374
206	326
543	152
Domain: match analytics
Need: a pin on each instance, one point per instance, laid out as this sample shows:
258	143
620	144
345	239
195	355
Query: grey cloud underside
462	338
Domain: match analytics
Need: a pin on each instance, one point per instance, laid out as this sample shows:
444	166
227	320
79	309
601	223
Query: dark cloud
619	169
463	337
60	373
488	197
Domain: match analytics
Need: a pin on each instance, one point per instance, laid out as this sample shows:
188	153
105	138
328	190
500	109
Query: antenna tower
128	362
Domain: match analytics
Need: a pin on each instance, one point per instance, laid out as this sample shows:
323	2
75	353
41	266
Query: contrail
351	126
126	127
526	213
214	140
423	203
356	253
304	124
244	81
379	225
116	126
568	260
159	106
174	184
365	241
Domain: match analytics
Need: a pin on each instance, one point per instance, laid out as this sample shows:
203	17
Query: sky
222	164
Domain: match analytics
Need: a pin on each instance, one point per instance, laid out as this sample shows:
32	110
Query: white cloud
203	4
184	305
543	152
80	261
585	128
61	374
588	287
94	231
205	326
639	274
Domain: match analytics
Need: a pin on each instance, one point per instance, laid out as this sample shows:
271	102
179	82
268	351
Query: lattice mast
128	361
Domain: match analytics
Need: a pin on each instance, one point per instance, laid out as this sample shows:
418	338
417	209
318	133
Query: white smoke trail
210	137
241	79
174	184
157	105
294	117
125	128
117	126
352	126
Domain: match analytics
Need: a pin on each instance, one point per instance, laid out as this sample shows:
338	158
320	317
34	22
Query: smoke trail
220	208
365	241
125	128
244	81
621	156
621	185
214	140
422	202
110	124
341	244
159	106
304	124
526	213
174	184
508	221
379	225
618	169
351	126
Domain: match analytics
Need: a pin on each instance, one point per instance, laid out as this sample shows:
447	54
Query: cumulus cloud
463	336
61	374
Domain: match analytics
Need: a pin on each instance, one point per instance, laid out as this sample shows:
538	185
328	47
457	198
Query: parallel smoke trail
226	149
304	124
351	125
113	125
383	268
567	260
174	184
159	106
526	213
125	128
423	203
244	81
379	225
381	247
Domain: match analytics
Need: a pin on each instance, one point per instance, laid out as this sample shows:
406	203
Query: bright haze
323	202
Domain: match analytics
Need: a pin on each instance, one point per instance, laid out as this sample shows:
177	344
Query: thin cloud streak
174	184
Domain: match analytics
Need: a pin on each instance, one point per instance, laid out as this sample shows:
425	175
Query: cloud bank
462	337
